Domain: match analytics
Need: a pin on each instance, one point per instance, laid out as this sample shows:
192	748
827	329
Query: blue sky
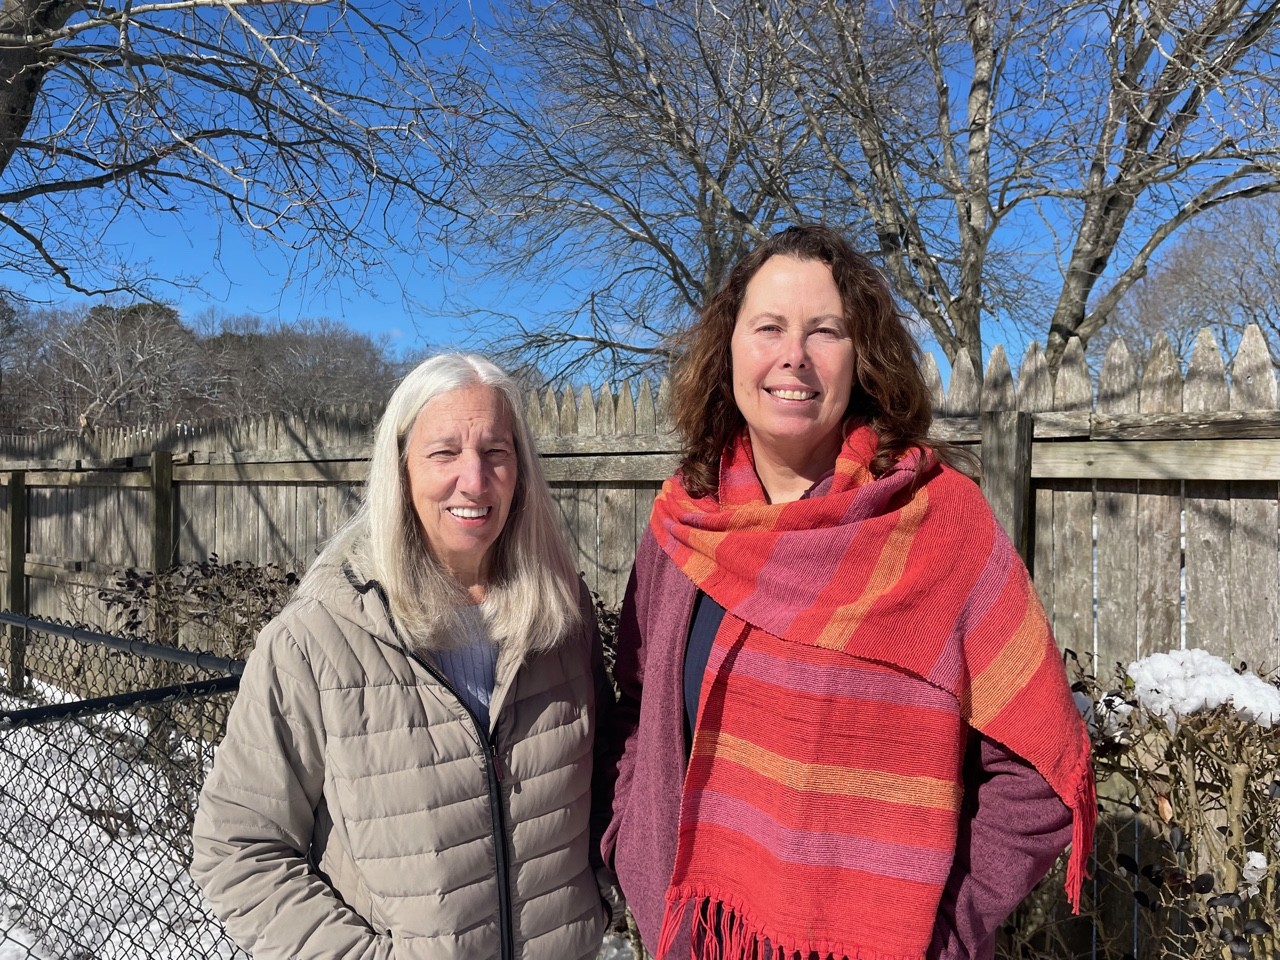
412	305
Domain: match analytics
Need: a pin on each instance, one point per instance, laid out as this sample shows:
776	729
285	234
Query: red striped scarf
821	802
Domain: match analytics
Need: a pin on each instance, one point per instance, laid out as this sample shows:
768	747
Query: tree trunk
23	66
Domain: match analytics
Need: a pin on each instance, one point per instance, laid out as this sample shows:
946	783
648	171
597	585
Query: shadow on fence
97	795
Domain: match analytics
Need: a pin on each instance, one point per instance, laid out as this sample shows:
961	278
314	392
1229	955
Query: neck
786	477
474	583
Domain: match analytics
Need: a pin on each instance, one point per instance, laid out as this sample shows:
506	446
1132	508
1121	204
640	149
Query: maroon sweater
1012	826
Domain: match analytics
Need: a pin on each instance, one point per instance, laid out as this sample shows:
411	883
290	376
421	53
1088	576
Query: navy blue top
707	615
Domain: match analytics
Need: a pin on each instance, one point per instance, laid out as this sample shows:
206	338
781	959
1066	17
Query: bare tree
289	368
636	149
122	366
11	330
112	365
1223	274
1106	126
311	123
1021	160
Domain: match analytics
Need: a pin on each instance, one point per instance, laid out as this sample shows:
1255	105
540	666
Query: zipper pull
497	761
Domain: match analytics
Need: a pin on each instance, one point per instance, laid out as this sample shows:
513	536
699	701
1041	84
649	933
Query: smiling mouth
469	513
791	394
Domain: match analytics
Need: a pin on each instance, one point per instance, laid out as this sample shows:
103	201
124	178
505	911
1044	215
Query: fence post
163	543
16	588
1006	473
163	546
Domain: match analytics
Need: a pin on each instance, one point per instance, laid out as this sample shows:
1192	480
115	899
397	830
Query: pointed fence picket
1150	509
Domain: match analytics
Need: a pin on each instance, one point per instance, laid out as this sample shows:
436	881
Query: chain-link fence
104	744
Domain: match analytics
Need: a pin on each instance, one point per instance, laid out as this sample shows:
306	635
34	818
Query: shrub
201	605
1188	856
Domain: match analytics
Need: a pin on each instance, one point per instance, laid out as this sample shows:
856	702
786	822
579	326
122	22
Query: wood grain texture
1116	526
1072	612
1253	627
1159	529
1206	510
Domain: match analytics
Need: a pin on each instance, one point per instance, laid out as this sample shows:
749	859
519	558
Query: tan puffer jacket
354	810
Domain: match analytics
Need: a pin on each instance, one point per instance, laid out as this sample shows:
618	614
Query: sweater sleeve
253	826
1012	828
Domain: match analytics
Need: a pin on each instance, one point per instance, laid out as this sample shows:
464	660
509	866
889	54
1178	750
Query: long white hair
531	600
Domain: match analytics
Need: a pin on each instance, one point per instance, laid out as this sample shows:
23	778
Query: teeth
794	394
469	513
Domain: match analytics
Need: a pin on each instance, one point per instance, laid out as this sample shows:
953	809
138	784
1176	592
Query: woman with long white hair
407	768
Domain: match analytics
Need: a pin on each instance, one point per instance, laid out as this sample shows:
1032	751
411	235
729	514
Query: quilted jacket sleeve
253	826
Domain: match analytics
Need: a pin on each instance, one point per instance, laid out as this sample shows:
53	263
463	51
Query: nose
795	349
472	479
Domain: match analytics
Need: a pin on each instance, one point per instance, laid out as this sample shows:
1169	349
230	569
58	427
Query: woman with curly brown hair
855	739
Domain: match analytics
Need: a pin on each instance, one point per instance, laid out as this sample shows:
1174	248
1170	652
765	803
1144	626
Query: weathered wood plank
1006	472
279	537
1157	460
16	596
625	469
617	502
569	414
1253	575
1253	378
646	493
646	413
609	446
606	413
1159	516
1073	520
1116	510
319	471
1205	425
585	535
115	479
587	413
533	414
932	380
163	538
198	516
1254	549
663	404
1035	384
550	414
308	542
1035	396
964	393
997	386
624	425
1206	513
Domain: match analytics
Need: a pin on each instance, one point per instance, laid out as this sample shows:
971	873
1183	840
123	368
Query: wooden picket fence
1145	499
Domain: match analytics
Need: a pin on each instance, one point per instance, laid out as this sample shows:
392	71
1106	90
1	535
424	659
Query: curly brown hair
888	390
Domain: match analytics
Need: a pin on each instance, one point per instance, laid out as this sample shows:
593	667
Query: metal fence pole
16	588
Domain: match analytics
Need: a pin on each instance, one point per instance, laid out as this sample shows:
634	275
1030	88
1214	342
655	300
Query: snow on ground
91	853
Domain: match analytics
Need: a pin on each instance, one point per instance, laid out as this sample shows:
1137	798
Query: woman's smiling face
462	469
793	364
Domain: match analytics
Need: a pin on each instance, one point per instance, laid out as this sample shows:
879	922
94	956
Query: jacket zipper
494	776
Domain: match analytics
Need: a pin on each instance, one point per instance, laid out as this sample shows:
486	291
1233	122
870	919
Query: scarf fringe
1084	814
719	931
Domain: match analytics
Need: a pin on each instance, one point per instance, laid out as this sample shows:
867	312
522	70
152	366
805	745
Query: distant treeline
111	366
